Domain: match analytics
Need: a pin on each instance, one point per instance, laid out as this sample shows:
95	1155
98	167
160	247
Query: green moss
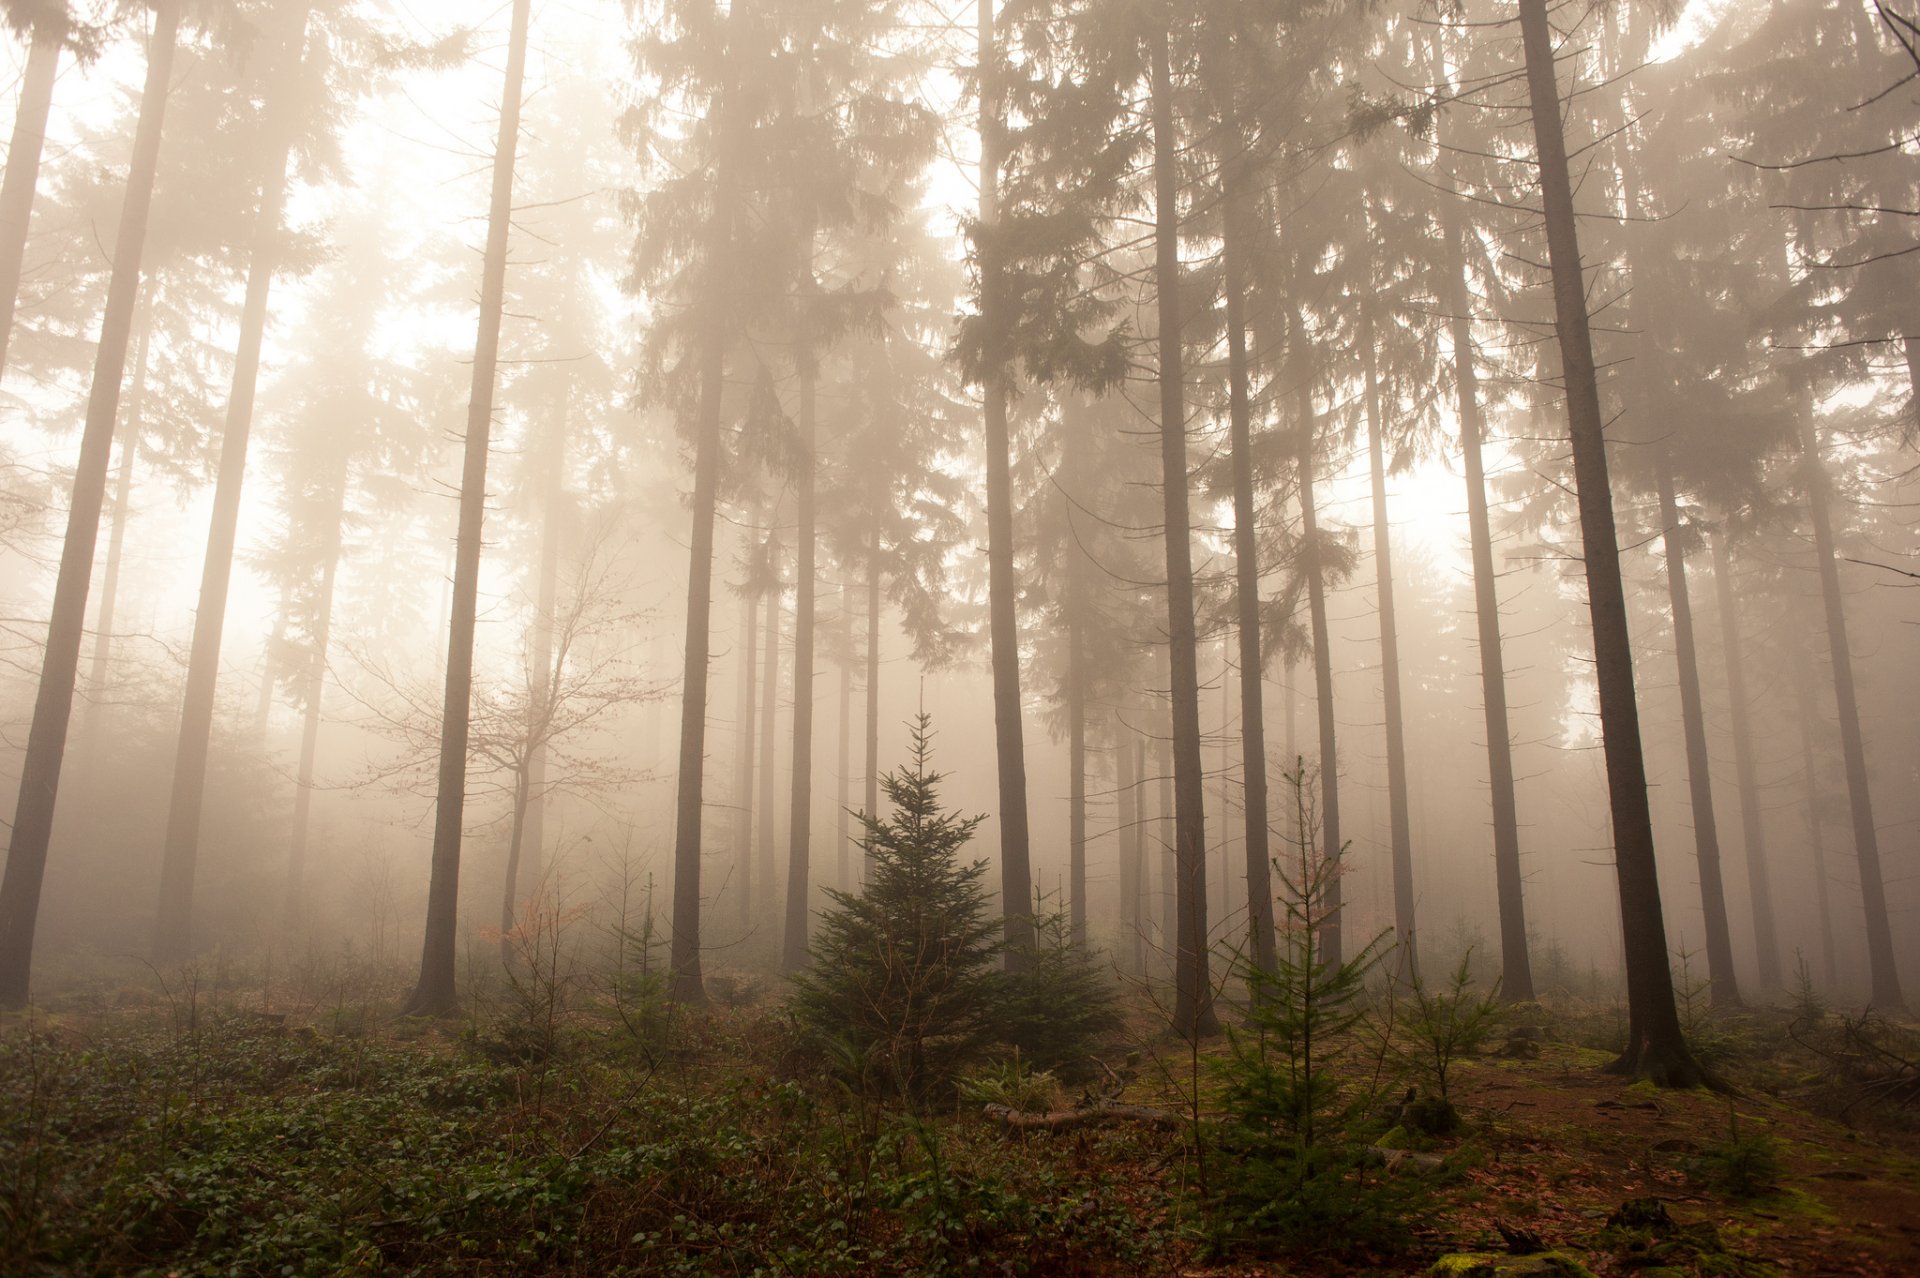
1486	1264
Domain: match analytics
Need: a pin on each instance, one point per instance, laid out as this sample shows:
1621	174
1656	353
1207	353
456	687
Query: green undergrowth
240	1149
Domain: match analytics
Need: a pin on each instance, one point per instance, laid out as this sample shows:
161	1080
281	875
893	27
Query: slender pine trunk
173	928
1003	586
1406	961
60	665
1075	481
435	993
769	712
1883	973
749	643
1129	756
1759	877
516	838
540	651
1656	1047
1723	990
1331	944
1802	676
844	763
293	911
794	953
131	433
1193	989
23	165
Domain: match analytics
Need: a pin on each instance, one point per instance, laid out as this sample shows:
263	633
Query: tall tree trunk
1884	974
1003	585
1075	479
532	865
1246	554
53	705
1656	1047
1724	989
294	909
1129	755
1168	841
1406	962
1759	879
516	840
1193	988
435	995
769	713
263	705
843	772
173	928
1516	969
871	804
1802	676
23	166
1330	932
122	513
744	758
800	824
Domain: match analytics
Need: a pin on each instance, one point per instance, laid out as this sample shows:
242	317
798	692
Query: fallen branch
1100	1112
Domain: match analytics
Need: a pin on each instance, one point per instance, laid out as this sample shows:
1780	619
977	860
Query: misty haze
1019	636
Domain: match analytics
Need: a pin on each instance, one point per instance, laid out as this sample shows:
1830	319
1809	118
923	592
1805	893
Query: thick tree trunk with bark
173	929
1759	878
1656	1047
1003	586
1406	961
435	993
60	665
1193	988
1723	989
1884	974
23	167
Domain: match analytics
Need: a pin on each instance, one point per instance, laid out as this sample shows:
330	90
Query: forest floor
224	1132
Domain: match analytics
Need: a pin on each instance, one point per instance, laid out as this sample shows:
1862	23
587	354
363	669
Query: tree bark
173	928
1883	973
1075	479
769	721
800	825
435	993
1193	989
23	167
843	772
1759	879
1723	989
1406	961
871	805
1129	757
749	643
53	704
1656	1048
1003	586
1802	677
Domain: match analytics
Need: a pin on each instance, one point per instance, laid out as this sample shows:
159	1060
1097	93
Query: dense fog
755	305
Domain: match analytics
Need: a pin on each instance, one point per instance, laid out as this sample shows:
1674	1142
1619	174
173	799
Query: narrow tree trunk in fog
1003	587
871	804
842	772
1759	877
769	711
1724	989
1516	969
294	910
1330	932
1193	989
800	824
1885	977
122	512
263	706
1246	554
1128	757
53	704
1076	774
1406	962
516	839
173	928
532	865
23	166
1656	1047
434	995
1802	677
1167	840
749	670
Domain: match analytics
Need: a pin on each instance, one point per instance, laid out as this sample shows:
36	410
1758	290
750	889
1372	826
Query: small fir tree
1296	1171
903	986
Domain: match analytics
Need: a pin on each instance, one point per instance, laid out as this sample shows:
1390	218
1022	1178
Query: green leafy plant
1439	1027
1743	1164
